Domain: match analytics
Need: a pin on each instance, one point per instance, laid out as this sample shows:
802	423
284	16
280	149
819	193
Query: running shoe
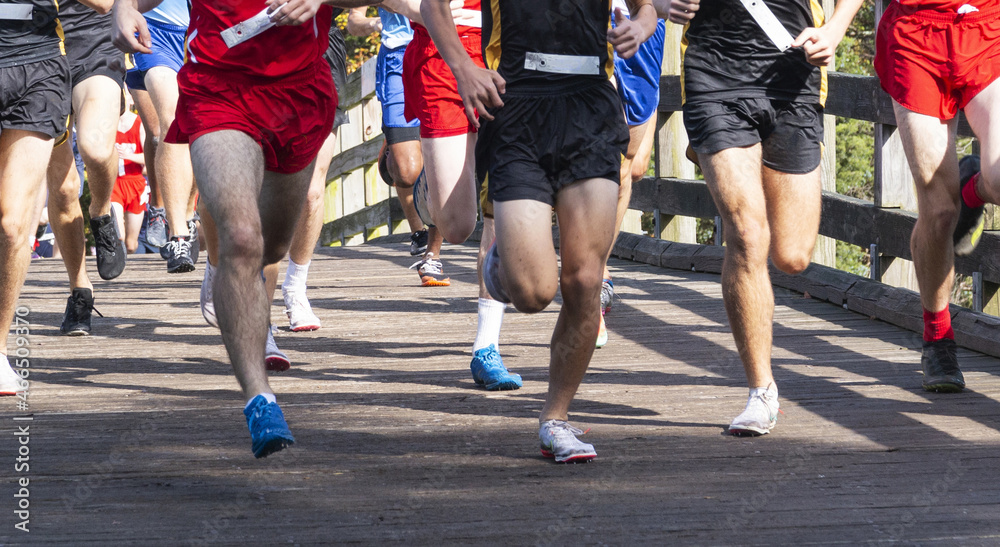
156	226
488	371
110	249
559	442
269	431
420	199
602	332
179	255
299	312
418	242
383	164
607	295
760	414
76	319
431	272
207	297
11	382
491	276
193	238
274	359
971	220
939	360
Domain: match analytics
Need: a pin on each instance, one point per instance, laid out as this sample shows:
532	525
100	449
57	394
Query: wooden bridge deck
138	435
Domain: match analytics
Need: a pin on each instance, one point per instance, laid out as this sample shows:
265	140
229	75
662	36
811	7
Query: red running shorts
430	90
131	193
935	62
289	117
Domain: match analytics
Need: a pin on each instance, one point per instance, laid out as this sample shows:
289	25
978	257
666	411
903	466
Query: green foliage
359	48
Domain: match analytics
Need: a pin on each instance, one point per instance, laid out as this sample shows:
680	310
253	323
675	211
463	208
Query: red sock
969	193
937	325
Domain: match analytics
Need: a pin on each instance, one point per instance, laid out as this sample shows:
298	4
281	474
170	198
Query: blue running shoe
268	429
489	372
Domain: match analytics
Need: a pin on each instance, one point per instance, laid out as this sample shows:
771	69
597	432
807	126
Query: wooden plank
359	222
355	157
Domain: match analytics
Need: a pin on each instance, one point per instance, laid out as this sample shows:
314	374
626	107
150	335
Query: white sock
490	320
295	276
268	396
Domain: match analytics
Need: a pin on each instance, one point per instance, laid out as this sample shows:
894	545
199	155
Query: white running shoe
760	414
274	358
299	312
559	441
207	304
11	382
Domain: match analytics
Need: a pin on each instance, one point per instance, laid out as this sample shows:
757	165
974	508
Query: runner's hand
626	37
677	11
293	12
480	89
819	48
130	33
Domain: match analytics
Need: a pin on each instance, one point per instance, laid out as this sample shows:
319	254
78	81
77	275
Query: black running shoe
110	249
940	363
179	260
971	220
418	242
76	320
193	235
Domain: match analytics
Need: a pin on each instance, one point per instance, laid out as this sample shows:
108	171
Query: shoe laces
559	429
180	248
81	307
427	265
296	301
107	239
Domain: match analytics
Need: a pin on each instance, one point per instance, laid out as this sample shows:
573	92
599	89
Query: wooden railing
359	206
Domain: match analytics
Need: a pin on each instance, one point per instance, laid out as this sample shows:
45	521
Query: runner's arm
479	88
820	44
128	21
411	8
100	6
676	11
359	24
630	33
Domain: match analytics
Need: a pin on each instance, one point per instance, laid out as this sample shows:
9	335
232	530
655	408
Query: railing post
825	251
671	145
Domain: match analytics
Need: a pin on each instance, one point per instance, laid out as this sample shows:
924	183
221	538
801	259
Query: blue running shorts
638	78
389	90
168	51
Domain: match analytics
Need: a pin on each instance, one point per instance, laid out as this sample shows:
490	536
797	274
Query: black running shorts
537	144
36	97
91	53
790	133
336	57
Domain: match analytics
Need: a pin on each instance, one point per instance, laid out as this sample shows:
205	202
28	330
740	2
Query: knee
639	170
748	237
242	245
96	151
533	298
407	171
792	262
314	198
581	285
456	230
14	230
939	217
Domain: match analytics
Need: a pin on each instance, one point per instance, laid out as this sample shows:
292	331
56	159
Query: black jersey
547	45
24	41
77	19
727	54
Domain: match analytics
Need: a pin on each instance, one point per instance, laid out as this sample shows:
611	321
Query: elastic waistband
166	26
939	16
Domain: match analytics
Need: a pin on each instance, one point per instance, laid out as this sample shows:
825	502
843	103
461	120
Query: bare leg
133	223
150	121
985	122
405	164
230	169
734	178
24	156
930	150
640	148
311	221
450	166
66	216
96	107
173	162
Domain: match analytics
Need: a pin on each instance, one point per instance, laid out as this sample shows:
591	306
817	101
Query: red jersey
471	5
945	5
131	140
274	53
